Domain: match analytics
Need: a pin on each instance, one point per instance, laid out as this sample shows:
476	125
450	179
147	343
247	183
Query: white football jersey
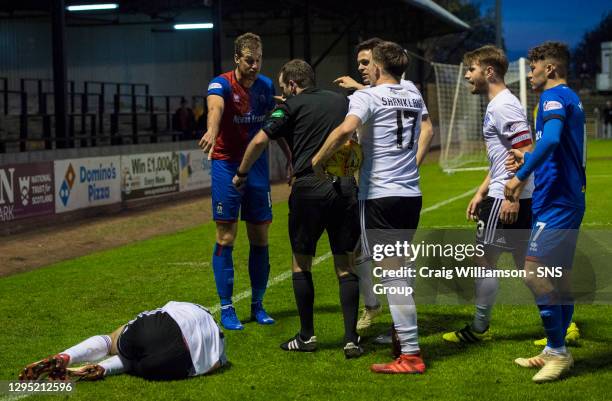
201	334
505	127
391	117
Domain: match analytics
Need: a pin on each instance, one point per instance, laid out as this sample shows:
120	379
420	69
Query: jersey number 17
401	115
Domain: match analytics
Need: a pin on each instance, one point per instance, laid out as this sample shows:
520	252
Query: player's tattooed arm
424	139
334	141
347	82
472	210
216	106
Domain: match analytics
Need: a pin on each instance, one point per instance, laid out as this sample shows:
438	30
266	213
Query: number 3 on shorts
480	228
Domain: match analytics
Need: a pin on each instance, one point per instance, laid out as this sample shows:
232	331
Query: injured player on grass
176	341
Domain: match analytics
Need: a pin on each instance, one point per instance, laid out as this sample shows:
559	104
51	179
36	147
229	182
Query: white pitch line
285	275
189	264
451	200
14	397
275	280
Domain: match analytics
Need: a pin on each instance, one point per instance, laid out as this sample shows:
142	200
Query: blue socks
259	271
567	312
223	268
552	318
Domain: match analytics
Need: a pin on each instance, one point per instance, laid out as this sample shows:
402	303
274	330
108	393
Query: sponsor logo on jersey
215	85
552	105
248	119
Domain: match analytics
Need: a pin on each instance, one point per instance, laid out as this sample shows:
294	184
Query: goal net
461	114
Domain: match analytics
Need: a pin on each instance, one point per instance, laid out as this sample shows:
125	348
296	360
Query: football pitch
47	310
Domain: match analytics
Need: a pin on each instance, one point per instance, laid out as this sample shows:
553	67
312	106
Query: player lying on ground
363	266
502	224
558	164
237	104
389	119
173	342
305	119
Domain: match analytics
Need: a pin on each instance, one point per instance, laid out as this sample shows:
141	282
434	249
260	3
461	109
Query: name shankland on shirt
402	102
474	272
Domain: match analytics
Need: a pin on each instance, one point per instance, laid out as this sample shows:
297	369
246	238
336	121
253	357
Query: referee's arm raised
335	140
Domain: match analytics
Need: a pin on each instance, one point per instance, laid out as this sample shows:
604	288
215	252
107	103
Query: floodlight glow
205	25
88	7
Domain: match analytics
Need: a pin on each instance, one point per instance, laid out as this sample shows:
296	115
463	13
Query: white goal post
460	114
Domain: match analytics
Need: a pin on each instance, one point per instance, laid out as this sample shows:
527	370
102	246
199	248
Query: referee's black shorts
387	220
316	205
154	348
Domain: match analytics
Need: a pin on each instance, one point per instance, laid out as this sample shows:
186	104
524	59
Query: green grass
52	308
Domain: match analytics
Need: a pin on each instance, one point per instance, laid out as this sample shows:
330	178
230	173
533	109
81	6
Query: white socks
112	366
561	351
486	292
403	312
91	350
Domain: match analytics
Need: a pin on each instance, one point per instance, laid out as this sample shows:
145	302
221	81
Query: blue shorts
554	235
254	199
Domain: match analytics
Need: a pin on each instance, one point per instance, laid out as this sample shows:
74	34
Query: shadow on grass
592	362
292	312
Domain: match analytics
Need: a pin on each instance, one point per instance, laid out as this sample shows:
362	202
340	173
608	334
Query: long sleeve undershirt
551	136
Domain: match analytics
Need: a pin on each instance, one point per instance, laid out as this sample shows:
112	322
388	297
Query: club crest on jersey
552	105
487	119
236	98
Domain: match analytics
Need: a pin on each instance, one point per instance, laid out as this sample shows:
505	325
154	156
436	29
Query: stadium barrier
35	193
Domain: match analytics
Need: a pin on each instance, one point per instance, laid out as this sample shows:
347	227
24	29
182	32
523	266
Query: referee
305	120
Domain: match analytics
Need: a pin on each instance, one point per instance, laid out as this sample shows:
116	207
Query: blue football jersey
561	179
